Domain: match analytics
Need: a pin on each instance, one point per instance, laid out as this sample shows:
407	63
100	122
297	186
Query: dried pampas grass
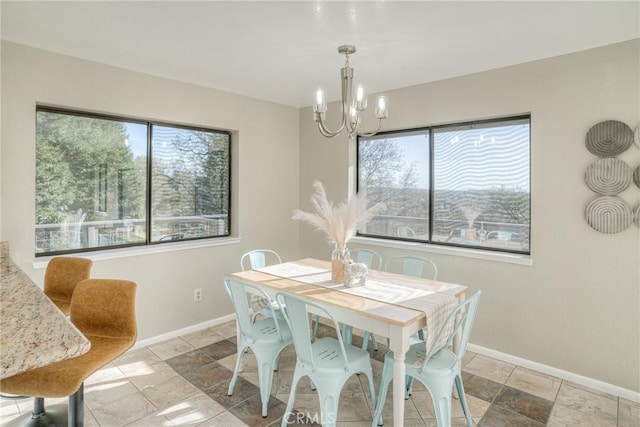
340	223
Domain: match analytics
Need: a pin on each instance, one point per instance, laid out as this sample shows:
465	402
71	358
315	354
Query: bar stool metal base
56	415
71	415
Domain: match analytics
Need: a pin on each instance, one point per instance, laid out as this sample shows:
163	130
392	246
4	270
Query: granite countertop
33	331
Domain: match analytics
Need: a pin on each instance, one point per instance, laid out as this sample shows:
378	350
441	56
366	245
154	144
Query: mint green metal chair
437	368
266	338
407	232
259	258
328	362
372	259
412	266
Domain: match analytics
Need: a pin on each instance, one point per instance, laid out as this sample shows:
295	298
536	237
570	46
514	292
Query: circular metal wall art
636	216
609	138
608	176
636	136
609	214
636	176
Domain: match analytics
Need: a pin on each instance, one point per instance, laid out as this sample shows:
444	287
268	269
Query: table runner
436	306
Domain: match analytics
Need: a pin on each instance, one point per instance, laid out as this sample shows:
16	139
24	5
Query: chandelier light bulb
382	108
320	104
353	116
361	97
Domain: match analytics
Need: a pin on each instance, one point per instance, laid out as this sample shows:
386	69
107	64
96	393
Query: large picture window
105	182
459	185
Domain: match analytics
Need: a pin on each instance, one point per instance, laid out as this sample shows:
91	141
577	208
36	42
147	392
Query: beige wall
578	307
265	134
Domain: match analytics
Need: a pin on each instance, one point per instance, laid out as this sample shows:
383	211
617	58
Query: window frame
148	184
431	130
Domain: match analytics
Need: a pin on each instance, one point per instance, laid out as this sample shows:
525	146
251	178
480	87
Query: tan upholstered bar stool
62	276
104	311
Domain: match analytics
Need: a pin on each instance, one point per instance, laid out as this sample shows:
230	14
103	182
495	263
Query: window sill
42	262
461	252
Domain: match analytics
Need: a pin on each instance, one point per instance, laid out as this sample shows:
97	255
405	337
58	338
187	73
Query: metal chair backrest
407	232
413	266
462	316
237	291
258	258
296	314
372	259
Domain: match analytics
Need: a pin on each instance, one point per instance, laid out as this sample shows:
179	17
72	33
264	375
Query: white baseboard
179	332
545	369
562	374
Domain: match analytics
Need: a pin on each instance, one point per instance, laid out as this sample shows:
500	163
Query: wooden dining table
391	320
33	331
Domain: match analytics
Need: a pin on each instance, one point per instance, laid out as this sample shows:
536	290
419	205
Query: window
462	185
105	182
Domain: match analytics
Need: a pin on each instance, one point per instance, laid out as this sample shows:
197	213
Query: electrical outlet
197	295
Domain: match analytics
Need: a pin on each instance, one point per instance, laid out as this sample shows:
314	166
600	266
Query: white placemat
386	292
301	273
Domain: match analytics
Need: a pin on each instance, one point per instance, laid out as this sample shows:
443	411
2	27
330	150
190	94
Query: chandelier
352	103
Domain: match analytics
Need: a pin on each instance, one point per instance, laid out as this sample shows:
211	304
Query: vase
470	233
339	260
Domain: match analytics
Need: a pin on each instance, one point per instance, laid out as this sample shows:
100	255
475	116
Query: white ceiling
282	51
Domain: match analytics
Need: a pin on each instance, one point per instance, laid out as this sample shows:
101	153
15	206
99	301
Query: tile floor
183	382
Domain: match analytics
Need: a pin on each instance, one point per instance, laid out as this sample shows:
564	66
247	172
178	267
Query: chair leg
409	383
38	408
39	416
241	354
441	393
365	340
347	334
316	323
409	380
372	390
387	376
463	401
287	417
236	370
375	342
76	408
265	379
329	399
